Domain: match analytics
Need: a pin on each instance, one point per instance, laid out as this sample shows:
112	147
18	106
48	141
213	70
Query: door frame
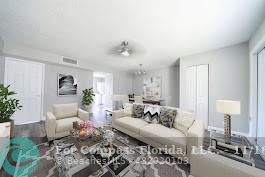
208	93
258	84
42	118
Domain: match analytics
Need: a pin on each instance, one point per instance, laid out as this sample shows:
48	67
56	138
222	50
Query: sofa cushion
65	110
130	123
164	135
167	116
183	121
138	110
66	124
151	114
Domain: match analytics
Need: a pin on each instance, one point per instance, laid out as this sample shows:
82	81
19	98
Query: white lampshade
228	106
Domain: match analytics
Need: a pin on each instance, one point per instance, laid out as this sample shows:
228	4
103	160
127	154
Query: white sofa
205	164
158	135
59	122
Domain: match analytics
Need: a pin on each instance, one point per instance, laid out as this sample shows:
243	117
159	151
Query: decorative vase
8	126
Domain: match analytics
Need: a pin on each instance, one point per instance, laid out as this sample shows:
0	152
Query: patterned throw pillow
167	116
138	110
151	114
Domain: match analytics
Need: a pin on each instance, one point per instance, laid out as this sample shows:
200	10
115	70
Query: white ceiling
160	30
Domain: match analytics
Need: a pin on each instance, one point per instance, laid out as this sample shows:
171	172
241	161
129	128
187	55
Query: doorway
103	88
26	79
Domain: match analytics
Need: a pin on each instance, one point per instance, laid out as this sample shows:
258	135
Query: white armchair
59	123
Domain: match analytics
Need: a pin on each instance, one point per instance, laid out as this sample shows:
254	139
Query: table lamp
228	107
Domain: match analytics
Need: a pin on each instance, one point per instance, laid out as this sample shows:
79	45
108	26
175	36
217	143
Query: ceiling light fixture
140	71
125	50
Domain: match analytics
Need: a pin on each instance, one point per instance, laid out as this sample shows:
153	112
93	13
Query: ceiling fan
124	49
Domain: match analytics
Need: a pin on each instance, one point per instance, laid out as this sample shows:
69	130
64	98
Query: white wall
2	69
258	37
170	84
122	81
228	79
1	44
84	80
2	62
256	43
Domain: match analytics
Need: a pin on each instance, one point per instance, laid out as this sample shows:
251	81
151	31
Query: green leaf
8	105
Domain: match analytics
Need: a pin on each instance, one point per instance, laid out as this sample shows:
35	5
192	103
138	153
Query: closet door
190	89
26	79
202	106
261	99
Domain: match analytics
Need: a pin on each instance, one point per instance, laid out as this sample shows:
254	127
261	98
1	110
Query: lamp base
227	126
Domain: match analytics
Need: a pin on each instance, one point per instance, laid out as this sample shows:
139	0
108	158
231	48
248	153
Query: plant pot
5	128
88	108
5	135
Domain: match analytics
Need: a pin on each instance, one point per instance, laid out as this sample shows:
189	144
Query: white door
261	99
202	107
190	89
26	79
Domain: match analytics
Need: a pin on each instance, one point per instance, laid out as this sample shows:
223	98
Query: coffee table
76	158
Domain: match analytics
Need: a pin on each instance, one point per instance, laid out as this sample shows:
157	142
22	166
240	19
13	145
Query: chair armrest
118	114
50	125
195	135
83	115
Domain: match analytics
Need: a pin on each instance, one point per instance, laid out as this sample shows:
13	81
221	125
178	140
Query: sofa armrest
83	115
118	114
195	135
50	125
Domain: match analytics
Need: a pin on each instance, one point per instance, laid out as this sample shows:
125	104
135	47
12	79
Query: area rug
161	168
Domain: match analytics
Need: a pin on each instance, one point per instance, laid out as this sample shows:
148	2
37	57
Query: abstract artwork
67	85
152	88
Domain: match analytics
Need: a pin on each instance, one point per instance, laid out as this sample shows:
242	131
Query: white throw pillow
184	121
128	108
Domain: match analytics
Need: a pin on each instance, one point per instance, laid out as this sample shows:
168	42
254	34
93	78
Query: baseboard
29	122
222	130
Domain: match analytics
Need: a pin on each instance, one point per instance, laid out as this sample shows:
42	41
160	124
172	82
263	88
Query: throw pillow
138	110
167	116
128	108
151	114
184	121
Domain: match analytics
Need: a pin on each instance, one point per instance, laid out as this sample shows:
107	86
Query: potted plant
8	106
88	99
